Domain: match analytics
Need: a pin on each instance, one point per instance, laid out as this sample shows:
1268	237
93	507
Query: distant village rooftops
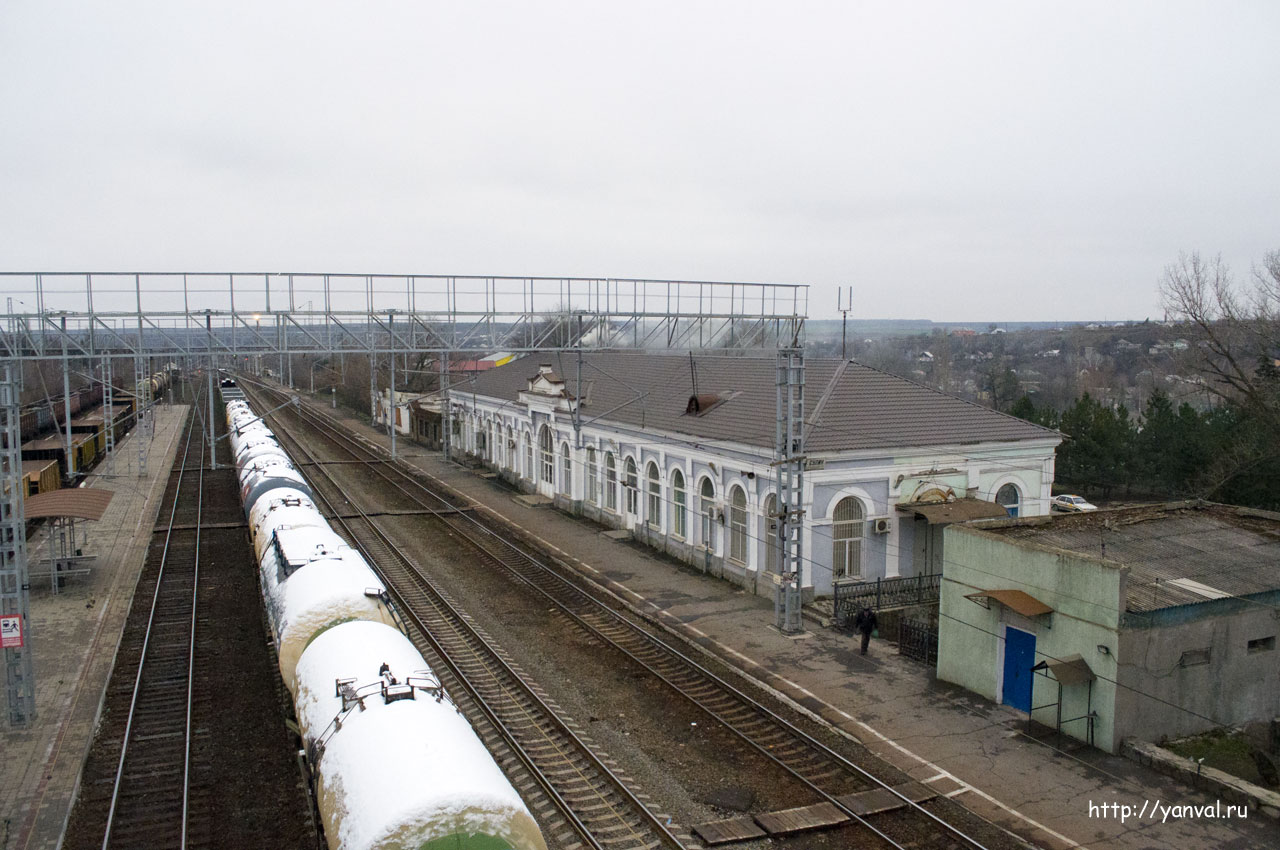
1180	553
849	406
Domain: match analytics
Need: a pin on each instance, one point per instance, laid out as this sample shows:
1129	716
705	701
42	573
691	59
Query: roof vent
701	404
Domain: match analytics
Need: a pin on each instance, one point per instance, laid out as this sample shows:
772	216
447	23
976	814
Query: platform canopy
1071	670
76	502
959	510
1017	600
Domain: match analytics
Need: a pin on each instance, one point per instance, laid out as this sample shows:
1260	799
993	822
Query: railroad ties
580	796
883	812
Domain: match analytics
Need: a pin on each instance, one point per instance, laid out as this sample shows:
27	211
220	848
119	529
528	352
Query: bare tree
1237	327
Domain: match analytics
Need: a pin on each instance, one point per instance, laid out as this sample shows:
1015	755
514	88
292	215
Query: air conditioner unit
717	513
881	525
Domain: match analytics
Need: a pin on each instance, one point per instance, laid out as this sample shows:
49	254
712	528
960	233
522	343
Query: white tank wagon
284	507
253	443
310	585
260	477
396	765
331	616
240	437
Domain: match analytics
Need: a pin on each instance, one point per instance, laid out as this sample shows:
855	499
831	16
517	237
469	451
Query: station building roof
849	406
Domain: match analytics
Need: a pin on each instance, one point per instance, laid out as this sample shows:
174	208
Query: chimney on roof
544	368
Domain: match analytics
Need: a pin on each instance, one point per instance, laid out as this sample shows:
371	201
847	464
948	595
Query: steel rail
146	644
492	658
733	728
453	518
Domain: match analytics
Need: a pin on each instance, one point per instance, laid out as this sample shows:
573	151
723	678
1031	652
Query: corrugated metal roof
1229	550
1018	600
78	502
1072	670
862	407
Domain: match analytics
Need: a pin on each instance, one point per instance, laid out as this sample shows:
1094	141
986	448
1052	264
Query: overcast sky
951	161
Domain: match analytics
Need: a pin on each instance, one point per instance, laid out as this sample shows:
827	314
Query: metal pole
445	424
213	443
66	403
577	399
790	484
15	614
392	410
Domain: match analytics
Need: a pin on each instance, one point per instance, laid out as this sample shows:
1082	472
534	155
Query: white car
1071	504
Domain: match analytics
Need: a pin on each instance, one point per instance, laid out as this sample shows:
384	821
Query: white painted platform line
965	786
750	662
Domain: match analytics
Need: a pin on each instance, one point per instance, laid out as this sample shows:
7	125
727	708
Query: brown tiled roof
857	407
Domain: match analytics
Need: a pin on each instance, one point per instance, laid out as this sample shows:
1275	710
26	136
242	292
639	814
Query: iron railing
919	641
852	596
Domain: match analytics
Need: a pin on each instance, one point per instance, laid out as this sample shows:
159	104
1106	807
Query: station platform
963	746
74	635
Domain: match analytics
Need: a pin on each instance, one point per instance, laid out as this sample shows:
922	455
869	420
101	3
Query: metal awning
78	502
1015	600
1072	670
960	510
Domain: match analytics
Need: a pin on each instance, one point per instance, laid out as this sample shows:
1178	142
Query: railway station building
1147	622
678	452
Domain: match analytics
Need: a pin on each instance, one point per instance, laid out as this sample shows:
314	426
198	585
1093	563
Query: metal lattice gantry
151	322
173	316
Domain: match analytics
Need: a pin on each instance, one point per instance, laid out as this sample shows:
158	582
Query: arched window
770	525
509	450
566	470
610	482
679	516
528	456
546	447
1010	497
846	539
592	476
707	509
631	483
655	497
738	525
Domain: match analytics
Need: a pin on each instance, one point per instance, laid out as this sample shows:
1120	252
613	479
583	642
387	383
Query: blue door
1019	658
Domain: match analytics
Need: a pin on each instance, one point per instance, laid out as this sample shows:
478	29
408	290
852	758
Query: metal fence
852	596
919	641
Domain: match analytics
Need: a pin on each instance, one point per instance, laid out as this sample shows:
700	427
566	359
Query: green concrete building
1151	622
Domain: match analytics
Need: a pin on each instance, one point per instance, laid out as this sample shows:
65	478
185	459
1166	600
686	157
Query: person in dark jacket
865	623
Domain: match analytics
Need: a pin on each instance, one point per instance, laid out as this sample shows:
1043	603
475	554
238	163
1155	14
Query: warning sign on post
11	631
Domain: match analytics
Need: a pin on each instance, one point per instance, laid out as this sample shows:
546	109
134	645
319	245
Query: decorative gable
547	389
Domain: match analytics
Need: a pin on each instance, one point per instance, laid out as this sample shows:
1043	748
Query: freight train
395	765
44	446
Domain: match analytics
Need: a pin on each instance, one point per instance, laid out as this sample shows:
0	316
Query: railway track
831	777
150	802
547	757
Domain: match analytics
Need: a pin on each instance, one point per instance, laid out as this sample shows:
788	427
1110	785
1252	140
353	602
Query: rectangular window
590	494
1194	657
1265	644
